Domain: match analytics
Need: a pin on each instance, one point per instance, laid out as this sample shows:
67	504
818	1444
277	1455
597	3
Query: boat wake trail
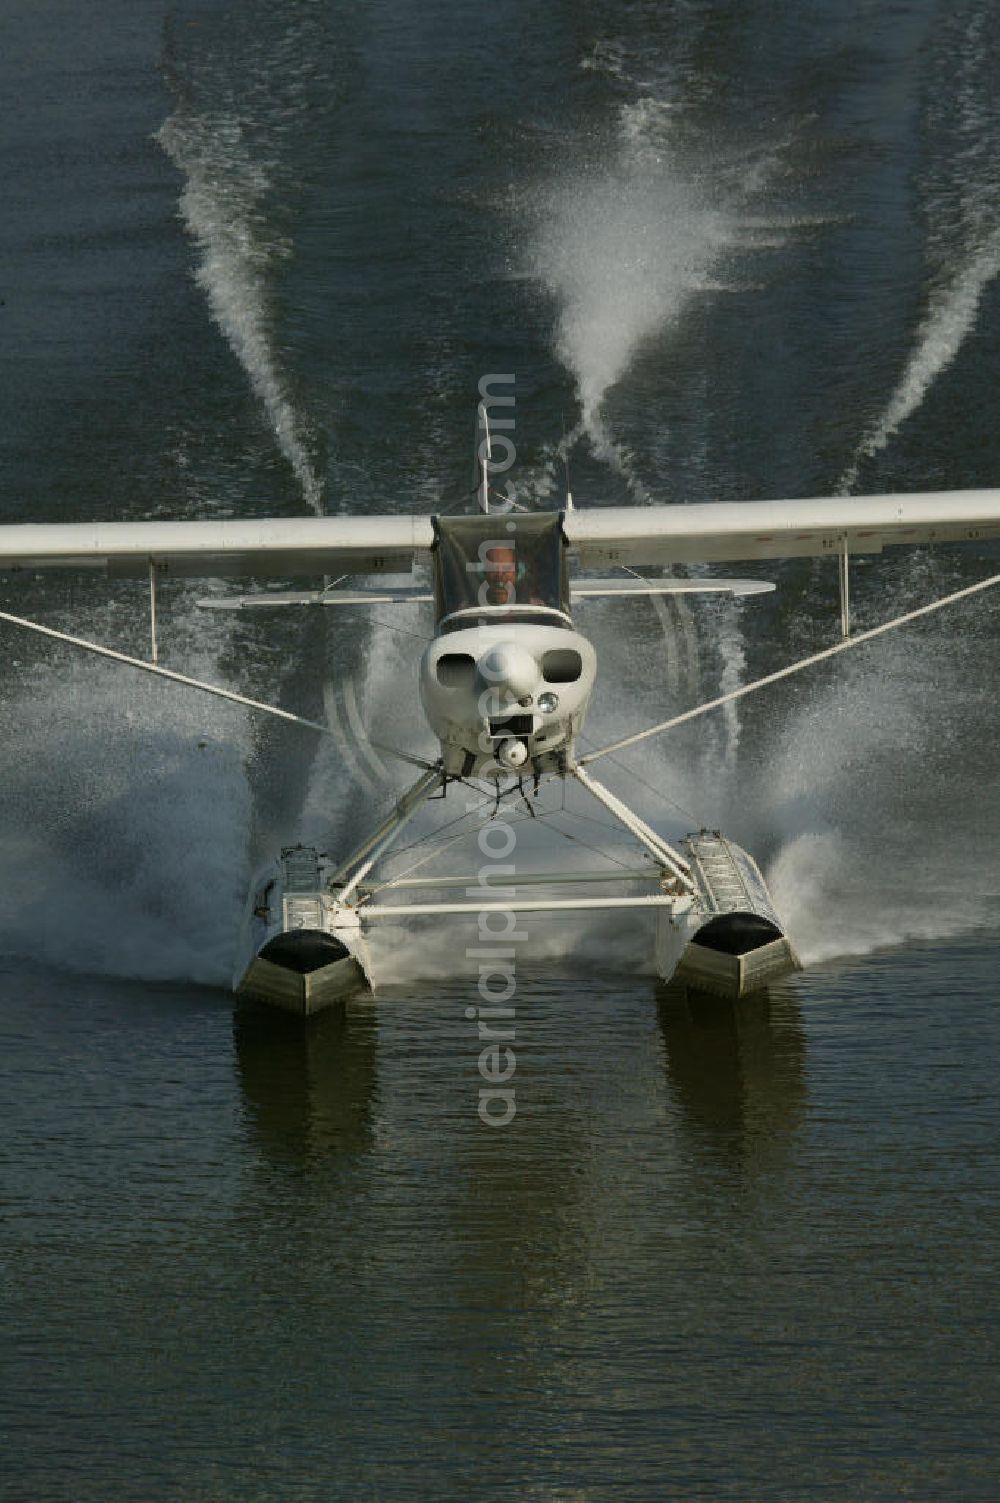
245	98
960	194
223	204
950	319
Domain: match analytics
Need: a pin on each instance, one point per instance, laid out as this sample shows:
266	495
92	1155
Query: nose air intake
456	670
562	665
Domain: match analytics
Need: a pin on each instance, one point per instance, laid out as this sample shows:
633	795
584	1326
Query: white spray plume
623	252
222	204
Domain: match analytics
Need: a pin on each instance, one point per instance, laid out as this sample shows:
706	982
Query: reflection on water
736	1070
328	1254
307	1086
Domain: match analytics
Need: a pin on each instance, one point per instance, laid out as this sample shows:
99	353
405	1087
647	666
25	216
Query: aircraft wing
281	547
728	531
587	588
717	532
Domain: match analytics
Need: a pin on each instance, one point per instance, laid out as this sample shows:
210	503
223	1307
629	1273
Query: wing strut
647	837
844	561
772	678
154	654
188	682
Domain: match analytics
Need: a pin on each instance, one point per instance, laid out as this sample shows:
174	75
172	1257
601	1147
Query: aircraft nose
509	670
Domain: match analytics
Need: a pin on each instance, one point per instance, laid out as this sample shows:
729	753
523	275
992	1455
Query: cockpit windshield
505	565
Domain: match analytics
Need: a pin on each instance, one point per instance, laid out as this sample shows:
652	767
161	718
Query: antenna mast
484	457
564	449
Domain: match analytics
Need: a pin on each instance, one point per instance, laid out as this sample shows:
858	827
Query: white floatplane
505	684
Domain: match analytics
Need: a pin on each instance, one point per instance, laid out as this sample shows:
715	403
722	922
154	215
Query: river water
256	259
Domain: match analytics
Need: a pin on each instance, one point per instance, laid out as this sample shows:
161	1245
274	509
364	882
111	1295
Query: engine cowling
506	697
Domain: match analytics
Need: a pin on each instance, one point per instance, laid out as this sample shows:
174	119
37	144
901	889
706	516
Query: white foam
729	630
125	815
834	904
869	794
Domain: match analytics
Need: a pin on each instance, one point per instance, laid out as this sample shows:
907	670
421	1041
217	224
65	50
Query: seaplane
505	683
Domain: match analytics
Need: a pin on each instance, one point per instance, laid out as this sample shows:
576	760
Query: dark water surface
254	260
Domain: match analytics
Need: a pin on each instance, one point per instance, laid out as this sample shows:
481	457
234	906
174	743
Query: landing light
548	702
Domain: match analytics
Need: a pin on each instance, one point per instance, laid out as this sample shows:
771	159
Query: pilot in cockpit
507	580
